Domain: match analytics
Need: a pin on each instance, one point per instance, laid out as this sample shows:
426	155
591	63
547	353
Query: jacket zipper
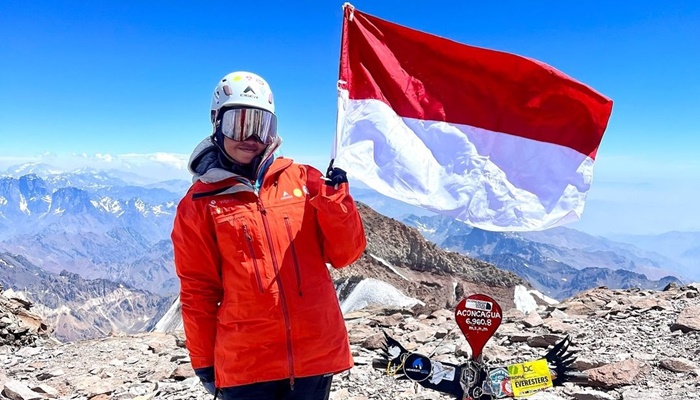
285	310
249	241
294	253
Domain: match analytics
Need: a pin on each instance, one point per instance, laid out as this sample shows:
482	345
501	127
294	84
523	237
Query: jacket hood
204	164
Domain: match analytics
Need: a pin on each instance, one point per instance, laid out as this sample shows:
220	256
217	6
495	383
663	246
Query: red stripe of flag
427	77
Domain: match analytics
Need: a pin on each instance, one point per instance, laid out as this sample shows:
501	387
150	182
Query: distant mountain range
90	223
684	247
77	308
111	229
559	262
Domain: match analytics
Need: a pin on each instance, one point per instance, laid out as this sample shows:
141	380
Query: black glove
335	176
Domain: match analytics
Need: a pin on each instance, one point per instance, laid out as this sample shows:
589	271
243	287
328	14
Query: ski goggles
240	124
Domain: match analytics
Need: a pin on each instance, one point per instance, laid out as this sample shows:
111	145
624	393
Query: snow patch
423	228
544	297
11	294
391	267
3	201
139	204
63	310
23	206
110	205
158	210
375	293
172	320
525	299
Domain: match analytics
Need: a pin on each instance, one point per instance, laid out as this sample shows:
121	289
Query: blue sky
134	77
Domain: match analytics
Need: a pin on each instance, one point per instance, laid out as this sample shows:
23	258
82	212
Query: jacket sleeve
342	233
197	263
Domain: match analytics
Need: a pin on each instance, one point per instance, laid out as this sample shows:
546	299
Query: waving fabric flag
500	141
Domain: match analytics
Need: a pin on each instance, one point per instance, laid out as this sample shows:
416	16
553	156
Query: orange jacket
258	302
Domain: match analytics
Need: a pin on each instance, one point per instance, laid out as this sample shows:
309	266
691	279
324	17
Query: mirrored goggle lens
241	123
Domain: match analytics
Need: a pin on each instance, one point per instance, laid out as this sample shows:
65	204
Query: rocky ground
632	345
19	326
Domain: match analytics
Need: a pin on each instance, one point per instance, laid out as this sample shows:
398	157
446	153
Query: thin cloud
151	166
174	160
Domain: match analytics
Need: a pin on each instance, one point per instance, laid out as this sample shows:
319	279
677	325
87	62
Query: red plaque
478	316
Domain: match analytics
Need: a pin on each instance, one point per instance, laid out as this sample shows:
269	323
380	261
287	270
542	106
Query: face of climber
243	152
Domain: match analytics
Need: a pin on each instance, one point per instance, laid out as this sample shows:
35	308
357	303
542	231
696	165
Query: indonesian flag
499	141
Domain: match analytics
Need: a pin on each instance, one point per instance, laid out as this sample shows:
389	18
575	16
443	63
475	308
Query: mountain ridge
557	271
79	308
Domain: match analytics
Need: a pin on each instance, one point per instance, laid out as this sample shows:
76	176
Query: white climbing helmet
242	88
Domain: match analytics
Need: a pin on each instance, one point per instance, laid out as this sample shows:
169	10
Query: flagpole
348	15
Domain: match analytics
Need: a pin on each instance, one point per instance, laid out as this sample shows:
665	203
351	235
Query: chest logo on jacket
296	192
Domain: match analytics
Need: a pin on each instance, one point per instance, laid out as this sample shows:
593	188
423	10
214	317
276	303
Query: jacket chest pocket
241	245
253	257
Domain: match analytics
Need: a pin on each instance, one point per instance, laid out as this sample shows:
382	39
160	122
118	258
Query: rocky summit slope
632	344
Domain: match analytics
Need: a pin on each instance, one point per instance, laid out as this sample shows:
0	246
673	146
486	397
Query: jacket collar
235	183
210	179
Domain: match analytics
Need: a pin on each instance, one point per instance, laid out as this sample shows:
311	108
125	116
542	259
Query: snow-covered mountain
90	223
